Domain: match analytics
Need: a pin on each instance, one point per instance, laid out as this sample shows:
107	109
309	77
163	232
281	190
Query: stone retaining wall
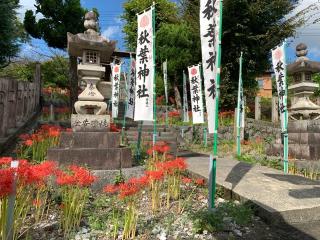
18	102
253	130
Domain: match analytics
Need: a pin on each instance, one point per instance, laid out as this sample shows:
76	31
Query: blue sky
111	28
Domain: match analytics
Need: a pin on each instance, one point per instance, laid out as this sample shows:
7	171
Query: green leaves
11	31
59	17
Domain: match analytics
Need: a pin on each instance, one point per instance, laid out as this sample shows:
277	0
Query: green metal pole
9	231
125	110
285	142
165	78
154	74
139	140
205	137
213	159
238	109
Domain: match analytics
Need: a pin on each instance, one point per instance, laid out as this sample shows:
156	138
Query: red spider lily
159	100
164	149
226	114
160	147
113	128
155	175
186	180
111	189
36	202
6	181
174	114
24	137
53	133
245	142
199	181
28	143
169	167
180	163
5	161
41	172
68	129
127	190
78	176
140	182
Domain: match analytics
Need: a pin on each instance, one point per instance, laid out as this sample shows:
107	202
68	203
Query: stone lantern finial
90	23
302	51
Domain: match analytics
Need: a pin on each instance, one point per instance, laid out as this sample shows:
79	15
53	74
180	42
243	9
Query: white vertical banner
144	68
131	89
185	99
196	94
209	31
116	73
279	66
165	79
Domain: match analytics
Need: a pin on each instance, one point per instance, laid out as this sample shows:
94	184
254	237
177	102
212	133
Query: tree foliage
59	17
166	12
55	72
11	31
21	71
251	26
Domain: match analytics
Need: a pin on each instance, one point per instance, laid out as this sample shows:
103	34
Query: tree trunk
73	81
177	95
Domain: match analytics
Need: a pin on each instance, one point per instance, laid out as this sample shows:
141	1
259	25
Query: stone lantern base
95	150
304	140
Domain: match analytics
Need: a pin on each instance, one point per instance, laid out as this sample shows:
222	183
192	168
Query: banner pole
239	109
139	140
285	142
125	108
213	159
154	75
165	80
205	137
9	231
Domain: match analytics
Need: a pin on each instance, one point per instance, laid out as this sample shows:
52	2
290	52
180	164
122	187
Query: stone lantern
303	87
91	143
304	124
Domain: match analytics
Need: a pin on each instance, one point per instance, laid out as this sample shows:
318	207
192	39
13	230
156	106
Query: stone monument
304	123
91	143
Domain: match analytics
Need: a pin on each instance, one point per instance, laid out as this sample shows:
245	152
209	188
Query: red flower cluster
169	167
50	90
129	188
174	114
26	174
6	181
113	128
159	100
44	132
226	114
155	175
198	181
160	147
77	176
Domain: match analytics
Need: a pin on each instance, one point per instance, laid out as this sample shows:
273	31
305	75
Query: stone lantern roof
303	64
90	40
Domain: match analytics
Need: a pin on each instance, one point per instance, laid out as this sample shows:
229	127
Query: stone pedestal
91	144
95	150
304	140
